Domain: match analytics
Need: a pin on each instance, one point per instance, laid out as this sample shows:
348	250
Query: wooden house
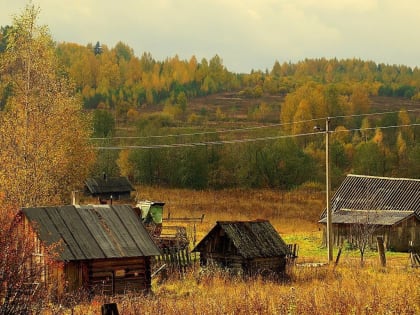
108	188
387	207
248	247
102	248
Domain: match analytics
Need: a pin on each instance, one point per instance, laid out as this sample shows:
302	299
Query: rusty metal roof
379	200
92	231
253	239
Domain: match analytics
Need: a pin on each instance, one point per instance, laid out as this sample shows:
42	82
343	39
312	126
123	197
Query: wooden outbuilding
383	206
103	249
109	188
247	247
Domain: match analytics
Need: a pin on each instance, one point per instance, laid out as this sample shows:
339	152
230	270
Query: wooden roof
252	239
379	200
92	232
108	185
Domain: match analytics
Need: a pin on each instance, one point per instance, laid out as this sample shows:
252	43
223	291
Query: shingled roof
381	200
105	184
253	239
92	232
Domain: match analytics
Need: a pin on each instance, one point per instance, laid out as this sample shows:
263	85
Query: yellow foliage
379	136
194	118
124	164
44	134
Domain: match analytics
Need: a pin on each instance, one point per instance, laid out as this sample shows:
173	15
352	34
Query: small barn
102	248
109	188
248	247
384	206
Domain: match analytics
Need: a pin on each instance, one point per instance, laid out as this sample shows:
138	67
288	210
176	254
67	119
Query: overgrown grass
289	212
347	288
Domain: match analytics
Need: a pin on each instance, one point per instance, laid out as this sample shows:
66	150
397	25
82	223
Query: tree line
120	88
115	78
56	97
282	157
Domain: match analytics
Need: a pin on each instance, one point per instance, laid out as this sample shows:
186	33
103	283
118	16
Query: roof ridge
383	177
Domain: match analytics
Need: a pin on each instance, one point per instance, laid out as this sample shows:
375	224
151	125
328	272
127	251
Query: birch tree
44	134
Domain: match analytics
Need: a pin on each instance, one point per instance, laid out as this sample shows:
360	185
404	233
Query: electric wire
221	142
251	128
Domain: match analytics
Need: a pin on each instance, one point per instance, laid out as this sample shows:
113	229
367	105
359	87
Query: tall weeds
346	289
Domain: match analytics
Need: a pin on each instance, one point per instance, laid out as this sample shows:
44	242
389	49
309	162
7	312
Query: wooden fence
293	250
174	260
415	256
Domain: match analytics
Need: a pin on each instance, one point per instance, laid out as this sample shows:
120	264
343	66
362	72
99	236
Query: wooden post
187	252
381	250
109	309
328	191
338	256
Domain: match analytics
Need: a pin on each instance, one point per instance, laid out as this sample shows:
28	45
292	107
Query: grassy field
347	288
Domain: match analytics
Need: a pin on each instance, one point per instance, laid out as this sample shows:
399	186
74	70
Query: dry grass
345	289
289	212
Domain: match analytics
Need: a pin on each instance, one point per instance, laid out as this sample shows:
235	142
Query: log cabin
108	188
244	247
101	249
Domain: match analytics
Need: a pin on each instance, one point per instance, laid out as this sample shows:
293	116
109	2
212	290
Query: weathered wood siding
221	252
266	265
102	276
118	276
75	273
402	234
246	247
396	237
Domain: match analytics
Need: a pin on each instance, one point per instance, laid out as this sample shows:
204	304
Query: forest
197	136
194	124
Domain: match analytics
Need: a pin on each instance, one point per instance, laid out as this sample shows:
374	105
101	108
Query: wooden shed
102	248
389	207
248	247
106	188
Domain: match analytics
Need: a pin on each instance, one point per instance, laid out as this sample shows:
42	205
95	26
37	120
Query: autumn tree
310	99
18	276
125	165
402	155
103	123
368	159
303	120
359	101
407	132
45	151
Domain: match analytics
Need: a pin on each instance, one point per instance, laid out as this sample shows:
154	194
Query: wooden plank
84	238
118	262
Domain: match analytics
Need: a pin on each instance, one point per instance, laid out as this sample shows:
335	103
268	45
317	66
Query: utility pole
328	190
329	238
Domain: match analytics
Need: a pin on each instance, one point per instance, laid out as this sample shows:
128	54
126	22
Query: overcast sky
246	34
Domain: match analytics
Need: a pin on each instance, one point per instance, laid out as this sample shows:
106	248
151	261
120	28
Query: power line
205	143
374	114
221	142
250	128
210	132
374	128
